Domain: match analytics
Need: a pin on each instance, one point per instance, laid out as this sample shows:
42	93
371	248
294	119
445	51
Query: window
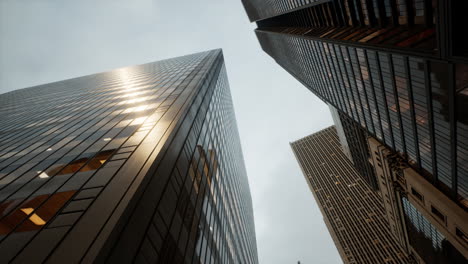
426	240
31	214
417	194
437	213
81	164
461	235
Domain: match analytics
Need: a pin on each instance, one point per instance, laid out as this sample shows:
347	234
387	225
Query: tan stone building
352	211
427	223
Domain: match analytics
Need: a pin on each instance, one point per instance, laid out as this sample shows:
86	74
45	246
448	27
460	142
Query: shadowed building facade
352	211
353	140
140	164
425	222
398	68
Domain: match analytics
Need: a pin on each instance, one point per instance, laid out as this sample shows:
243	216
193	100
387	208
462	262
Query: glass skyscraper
139	164
398	68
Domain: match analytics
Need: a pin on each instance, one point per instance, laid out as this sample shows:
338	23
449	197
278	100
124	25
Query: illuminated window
37	220
417	38
97	161
81	164
31	214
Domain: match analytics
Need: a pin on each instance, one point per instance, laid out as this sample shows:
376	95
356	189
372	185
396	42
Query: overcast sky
47	41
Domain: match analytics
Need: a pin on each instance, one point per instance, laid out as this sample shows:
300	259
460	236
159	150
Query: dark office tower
397	67
140	164
353	139
352	211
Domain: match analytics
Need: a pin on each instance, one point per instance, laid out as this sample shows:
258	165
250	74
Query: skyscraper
398	68
141	163
352	211
353	139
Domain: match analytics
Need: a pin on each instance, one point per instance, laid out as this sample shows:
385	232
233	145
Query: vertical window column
440	111
371	94
418	84
461	113
392	106
405	106
375	73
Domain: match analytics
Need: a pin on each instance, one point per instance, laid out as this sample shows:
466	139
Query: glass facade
356	140
257	9
386	65
397	24
139	164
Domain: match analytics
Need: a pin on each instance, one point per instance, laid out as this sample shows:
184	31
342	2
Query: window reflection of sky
422	224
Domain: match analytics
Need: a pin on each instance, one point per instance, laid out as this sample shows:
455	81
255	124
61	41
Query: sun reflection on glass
133	94
133	101
135	109
42	174
139	120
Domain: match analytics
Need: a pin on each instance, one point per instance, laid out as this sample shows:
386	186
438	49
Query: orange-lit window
389	35
97	161
417	38
82	164
373	35
31	215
